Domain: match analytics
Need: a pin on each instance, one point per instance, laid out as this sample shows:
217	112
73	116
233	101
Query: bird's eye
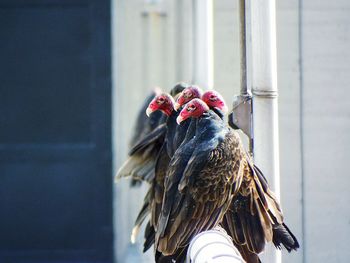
213	97
188	95
191	108
160	100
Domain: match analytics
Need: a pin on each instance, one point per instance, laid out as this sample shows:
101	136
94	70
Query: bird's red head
214	100
187	95
163	102
195	108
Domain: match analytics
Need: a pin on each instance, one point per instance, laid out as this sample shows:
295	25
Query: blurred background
73	75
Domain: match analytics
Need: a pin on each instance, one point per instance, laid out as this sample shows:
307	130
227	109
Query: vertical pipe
203	43
243	64
243	47
264	89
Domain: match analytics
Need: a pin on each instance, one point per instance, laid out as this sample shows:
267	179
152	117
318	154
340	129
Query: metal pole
243	58
241	115
243	47
203	73
264	90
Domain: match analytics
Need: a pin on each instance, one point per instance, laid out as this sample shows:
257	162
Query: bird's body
198	184
154	198
211	180
175	136
150	154
157	187
203	177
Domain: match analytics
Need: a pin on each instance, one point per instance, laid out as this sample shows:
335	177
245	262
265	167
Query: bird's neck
218	112
168	111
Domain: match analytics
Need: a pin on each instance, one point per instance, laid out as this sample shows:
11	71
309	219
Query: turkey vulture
253	216
153	201
161	103
188	131
147	140
199	180
203	177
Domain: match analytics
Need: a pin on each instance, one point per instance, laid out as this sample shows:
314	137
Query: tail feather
136	167
283	236
233	226
269	201
145	210
265	220
149	237
255	217
248	230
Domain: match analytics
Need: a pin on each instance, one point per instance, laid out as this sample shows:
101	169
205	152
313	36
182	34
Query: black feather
149	237
283	236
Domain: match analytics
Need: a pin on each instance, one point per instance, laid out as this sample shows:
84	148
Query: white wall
288	58
326	120
313	43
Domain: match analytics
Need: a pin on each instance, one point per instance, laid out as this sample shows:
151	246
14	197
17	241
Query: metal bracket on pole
241	117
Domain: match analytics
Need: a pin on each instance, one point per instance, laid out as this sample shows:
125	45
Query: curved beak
177	106
149	111
179	119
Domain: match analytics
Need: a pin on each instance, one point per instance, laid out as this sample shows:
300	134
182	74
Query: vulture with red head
202	177
199	181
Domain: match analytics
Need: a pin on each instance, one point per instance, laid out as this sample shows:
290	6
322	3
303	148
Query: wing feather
190	214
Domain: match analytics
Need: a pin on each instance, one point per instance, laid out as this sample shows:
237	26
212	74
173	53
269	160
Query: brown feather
206	196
